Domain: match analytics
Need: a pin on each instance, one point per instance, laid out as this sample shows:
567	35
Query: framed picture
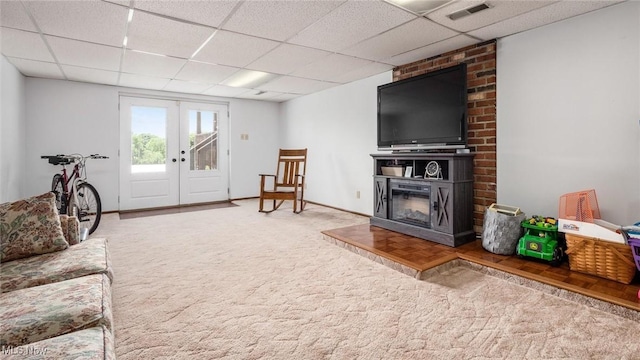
408	171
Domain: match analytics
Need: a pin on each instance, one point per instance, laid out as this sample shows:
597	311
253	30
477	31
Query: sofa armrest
70	229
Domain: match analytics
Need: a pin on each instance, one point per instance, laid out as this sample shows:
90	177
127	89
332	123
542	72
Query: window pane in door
148	139
203	140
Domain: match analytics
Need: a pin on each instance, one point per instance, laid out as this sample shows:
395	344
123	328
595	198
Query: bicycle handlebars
97	156
68	159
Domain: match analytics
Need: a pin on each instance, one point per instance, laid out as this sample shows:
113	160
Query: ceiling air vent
468	11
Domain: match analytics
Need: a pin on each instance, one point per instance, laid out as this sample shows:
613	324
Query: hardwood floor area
422	255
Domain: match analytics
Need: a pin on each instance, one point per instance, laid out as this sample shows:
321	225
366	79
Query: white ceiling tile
76	73
37	68
24	44
362	72
151	65
80	53
539	17
225	91
329	67
205	73
278	20
438	48
142	82
289	84
94	21
401	39
210	13
300	46
13	15
351	23
176	38
186	86
287	58
498	11
233	49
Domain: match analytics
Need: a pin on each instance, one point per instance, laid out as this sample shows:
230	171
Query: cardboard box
393	170
599	229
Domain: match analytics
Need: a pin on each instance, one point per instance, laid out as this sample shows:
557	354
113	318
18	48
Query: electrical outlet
358	194
244	136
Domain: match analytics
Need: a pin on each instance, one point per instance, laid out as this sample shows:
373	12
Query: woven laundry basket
602	258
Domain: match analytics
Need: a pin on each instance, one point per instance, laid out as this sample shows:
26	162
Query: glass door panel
148	139
203	140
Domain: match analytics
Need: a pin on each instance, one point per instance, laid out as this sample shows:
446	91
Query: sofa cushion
86	258
94	343
51	310
30	227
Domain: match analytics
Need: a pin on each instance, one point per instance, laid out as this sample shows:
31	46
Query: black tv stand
435	205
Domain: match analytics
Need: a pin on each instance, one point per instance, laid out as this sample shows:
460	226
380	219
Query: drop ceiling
254	49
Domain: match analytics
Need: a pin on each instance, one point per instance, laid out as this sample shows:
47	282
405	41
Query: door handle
174	160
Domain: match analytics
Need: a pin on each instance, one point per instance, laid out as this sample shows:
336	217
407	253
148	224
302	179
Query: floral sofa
55	291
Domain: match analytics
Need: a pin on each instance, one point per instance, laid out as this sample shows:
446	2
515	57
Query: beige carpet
237	284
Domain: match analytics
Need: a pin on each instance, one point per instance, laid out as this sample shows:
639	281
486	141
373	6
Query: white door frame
198	186
173	152
153	187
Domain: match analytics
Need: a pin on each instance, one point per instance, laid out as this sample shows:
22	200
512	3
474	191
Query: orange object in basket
579	206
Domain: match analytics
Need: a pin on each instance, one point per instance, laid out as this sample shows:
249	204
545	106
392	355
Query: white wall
65	117
338	126
12	132
72	117
568	110
257	155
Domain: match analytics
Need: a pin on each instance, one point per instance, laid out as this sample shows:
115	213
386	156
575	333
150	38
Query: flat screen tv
424	112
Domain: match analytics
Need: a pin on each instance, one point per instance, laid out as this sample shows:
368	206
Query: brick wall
481	120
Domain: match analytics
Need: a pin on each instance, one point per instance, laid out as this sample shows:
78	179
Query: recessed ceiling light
248	78
419	7
148	53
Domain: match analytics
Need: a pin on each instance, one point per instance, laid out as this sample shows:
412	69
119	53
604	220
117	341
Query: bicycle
81	199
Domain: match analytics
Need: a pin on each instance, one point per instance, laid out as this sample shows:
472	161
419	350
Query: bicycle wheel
89	208
57	189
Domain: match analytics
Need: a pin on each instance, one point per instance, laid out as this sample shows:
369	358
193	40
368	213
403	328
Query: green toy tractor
540	240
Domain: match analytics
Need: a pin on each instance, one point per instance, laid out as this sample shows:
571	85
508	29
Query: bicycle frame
75	179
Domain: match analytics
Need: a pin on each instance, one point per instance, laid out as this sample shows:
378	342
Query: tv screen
426	111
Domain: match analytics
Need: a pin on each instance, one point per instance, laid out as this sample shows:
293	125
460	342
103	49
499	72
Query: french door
172	153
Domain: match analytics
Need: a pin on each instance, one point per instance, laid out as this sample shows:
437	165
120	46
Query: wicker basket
601	258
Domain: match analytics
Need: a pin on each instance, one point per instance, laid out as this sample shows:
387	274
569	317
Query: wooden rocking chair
288	182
